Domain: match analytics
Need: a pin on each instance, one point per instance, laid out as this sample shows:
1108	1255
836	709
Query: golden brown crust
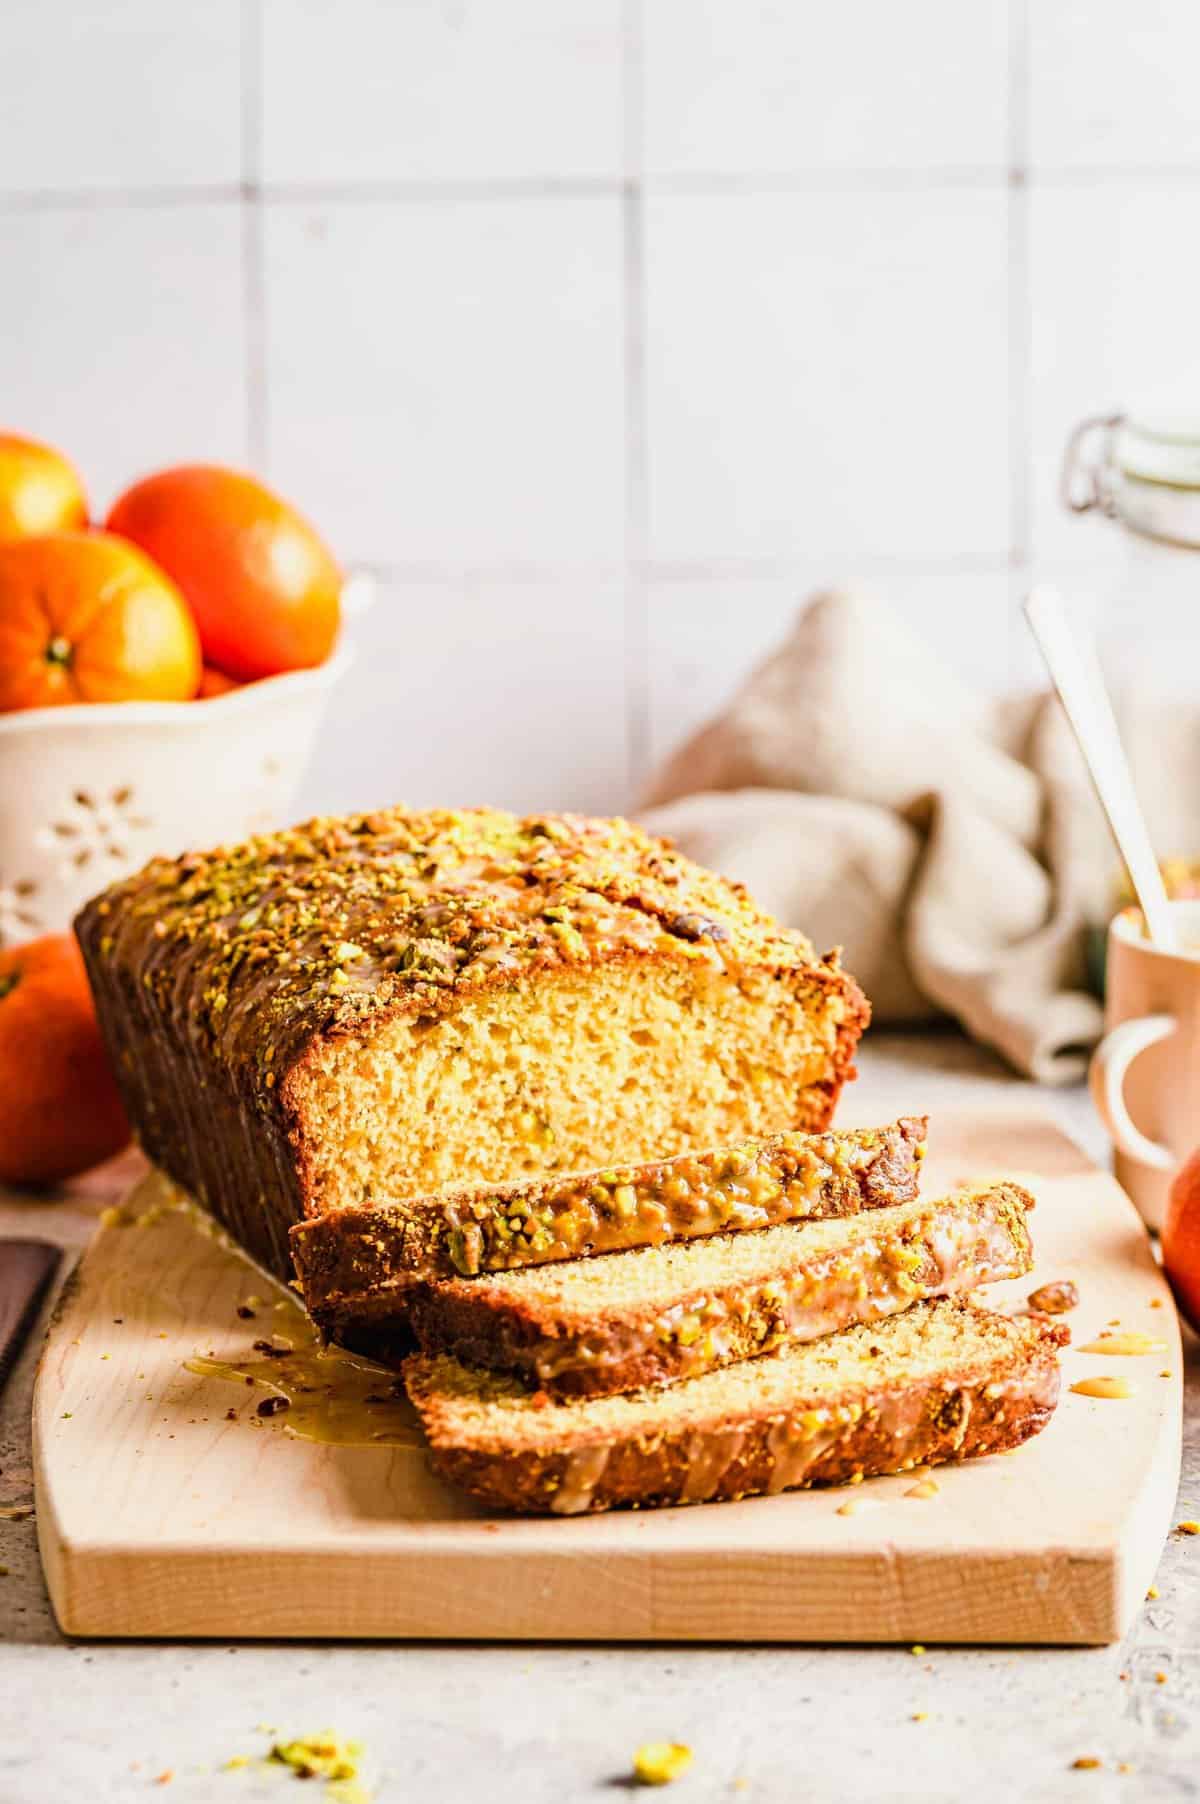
943	1248
650	1477
219	975
354	1265
823	1439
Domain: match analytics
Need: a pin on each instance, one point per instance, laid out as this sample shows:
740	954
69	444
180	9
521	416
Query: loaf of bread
356	1266
942	1381
365	1009
599	1327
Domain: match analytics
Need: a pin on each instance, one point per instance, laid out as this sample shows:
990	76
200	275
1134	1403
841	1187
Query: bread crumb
1160	1678
920	1716
1189	1527
661	1762
165	1777
1085	1763
1152	1594
1156	1303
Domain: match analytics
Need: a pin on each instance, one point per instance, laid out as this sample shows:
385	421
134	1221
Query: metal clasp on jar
1088	470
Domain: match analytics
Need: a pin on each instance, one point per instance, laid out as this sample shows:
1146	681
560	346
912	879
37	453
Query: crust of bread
786	1284
667	1451
356	1266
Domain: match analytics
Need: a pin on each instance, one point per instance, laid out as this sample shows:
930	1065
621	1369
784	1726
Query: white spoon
1075	671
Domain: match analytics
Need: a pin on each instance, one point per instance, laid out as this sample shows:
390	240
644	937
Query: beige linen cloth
950	844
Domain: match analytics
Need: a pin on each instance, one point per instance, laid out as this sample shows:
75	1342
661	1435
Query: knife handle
26	1268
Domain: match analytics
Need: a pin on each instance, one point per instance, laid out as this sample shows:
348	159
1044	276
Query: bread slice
392	1003
942	1381
598	1327
354	1265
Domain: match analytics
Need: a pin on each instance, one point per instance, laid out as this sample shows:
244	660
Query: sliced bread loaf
352	1263
598	1327
941	1381
407	1000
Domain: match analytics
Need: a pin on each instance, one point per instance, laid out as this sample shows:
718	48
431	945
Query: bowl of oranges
163	673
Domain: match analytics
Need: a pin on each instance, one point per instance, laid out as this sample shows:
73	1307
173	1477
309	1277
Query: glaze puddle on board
319	1393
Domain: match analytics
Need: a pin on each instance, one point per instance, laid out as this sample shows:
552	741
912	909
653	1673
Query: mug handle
1106	1075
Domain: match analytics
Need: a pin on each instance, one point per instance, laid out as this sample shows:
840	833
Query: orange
85	617
1181	1239
265	590
60	1111
39	490
215	682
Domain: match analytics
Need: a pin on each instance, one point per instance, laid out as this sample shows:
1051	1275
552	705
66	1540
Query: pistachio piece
661	1762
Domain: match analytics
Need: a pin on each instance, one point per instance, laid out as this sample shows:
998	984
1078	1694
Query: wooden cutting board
168	1506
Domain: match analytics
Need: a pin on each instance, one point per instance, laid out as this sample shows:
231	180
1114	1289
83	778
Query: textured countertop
549	1725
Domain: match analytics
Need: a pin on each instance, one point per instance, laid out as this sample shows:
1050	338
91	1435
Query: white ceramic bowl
88	793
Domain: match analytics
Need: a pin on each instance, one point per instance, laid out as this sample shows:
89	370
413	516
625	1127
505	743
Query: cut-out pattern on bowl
91	793
19	918
92	828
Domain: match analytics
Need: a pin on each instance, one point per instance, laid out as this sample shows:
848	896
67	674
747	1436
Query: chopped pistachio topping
260	946
323	1756
661	1762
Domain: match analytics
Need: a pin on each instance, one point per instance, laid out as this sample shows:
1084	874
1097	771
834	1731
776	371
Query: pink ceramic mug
1145	1073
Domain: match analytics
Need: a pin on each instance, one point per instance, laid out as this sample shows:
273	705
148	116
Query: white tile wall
604	332
122	335
1114	88
487	691
766	87
445	382
817	366
466	90
115	94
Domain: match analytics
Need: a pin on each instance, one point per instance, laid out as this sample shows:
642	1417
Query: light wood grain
158	1517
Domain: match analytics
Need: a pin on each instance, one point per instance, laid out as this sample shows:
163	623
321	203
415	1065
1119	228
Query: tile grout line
253	270
1020	313
700	572
449	193
637	667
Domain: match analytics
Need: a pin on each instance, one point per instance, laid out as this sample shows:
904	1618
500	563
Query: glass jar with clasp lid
1138	476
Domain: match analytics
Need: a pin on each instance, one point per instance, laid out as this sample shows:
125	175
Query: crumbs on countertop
661	1762
324	1756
